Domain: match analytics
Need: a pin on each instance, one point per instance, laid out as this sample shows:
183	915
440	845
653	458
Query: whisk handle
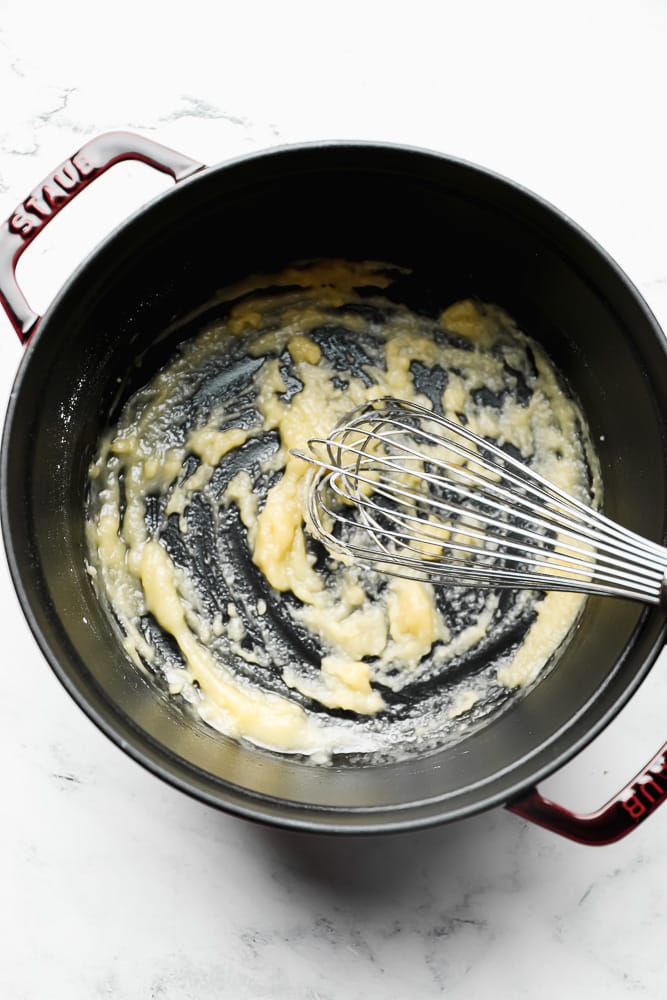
619	817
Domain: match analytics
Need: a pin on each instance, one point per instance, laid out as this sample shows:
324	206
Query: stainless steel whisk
414	494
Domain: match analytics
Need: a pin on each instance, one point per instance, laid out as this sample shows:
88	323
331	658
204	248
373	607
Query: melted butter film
198	533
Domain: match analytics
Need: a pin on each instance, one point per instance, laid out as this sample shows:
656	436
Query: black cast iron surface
462	231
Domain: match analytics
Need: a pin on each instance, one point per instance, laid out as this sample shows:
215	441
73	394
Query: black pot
464	231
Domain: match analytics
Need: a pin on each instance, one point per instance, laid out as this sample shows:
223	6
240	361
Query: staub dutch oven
465	231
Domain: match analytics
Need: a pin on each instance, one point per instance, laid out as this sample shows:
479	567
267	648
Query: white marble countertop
115	885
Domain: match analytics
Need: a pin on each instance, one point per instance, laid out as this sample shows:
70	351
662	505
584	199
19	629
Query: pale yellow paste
385	640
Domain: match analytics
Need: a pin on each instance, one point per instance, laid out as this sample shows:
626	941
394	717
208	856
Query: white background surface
113	884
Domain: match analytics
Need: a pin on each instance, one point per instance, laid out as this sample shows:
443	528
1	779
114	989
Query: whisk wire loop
404	489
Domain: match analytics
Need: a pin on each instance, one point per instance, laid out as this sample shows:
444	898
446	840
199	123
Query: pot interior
463	233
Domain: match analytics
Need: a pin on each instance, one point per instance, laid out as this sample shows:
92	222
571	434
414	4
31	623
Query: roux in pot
198	533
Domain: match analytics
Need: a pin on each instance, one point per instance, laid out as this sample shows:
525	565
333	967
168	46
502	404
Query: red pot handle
56	190
619	817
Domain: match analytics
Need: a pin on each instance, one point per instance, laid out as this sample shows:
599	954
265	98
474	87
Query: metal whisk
414	494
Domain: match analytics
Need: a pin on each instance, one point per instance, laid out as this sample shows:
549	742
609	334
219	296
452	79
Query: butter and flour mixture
198	541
